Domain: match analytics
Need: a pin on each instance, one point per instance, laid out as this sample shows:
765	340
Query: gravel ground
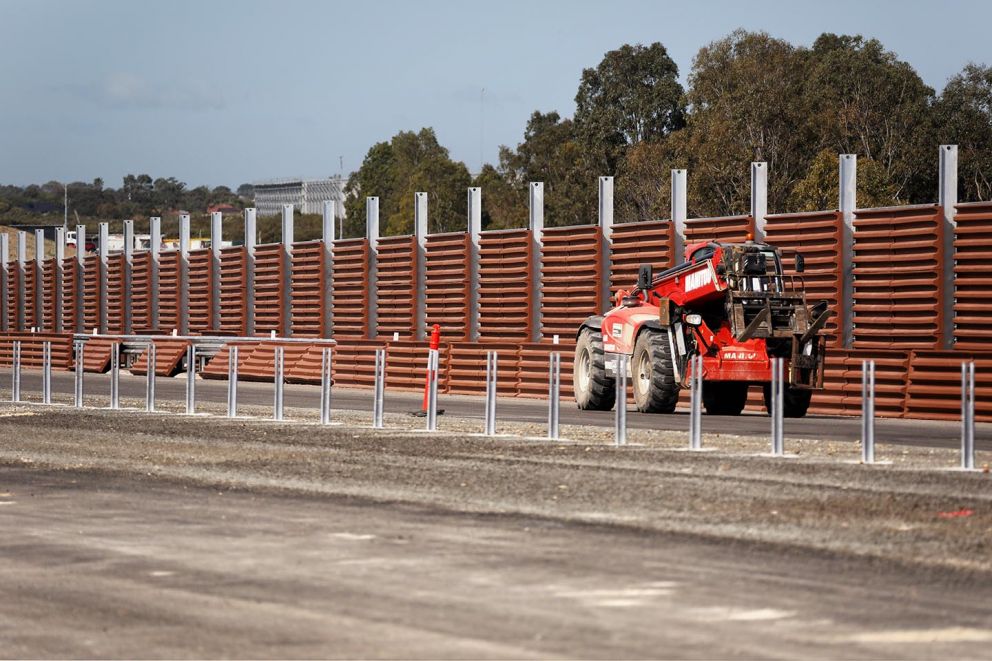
916	511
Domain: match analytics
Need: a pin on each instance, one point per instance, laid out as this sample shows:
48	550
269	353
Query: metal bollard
491	363
46	373
696	403
778	403
115	376
968	415
277	380
554	383
380	386
150	379
78	389
15	393
191	379
433	364
232	382
868	411
326	376
620	421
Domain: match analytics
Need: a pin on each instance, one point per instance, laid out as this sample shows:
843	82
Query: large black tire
724	397
594	389
795	401
655	389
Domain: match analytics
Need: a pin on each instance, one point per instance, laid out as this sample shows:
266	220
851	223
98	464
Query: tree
395	170
632	96
643	185
963	116
504	206
819	189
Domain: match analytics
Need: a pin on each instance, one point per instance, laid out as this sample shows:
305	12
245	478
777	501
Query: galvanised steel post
696	403
968	415
103	252
380	379
433	364
128	274
372	234
328	237
232	382
326	376
420	231
554	378
948	199
491	363
475	239
679	213
154	253
536	226
847	203
250	240
191	379
38	269
184	244
287	271
216	241
78	390
868	411
46	372
57	303
778	402
759	198
620	422
606	229
16	385
278	381
115	375
150	379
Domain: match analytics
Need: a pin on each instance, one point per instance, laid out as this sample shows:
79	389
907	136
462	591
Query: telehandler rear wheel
594	389
795	401
655	389
724	397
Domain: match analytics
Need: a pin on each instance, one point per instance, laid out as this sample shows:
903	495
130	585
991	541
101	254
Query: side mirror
645	277
800	263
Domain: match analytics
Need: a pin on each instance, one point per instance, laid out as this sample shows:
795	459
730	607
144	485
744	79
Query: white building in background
306	195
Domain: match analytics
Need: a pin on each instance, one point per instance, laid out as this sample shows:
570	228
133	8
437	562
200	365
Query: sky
220	92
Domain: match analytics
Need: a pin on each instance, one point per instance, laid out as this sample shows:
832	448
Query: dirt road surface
134	535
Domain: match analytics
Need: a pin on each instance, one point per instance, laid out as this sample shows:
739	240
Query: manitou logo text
741	355
697	279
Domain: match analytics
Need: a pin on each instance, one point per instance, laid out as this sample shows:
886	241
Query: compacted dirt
664	552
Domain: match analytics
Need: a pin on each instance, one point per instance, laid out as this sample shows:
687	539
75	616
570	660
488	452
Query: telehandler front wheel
655	389
594	389
724	397
795	401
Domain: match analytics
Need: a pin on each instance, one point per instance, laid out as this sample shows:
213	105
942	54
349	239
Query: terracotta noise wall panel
898	257
70	303
973	277
396	280
308	296
354	363
141	299
406	365
505	285
169	290
572	264
169	356
115	293
13	283
447	284
731	229
818	236
351	283
270	309
32	349
30	298
533	370
233	282
216	368
934	388
93	278
49	287
200	264
467	368
634	244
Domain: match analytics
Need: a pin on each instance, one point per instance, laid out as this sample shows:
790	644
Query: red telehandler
729	303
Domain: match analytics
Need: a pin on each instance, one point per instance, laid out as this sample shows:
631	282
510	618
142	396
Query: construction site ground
158	535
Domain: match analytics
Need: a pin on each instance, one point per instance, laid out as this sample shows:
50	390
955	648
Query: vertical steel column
554	379
326	378
154	250
128	273
696	403
491	365
475	238
191	379
968	415
433	364
150	379
78	390
4	282
216	241
868	411
536	226
778	435
420	230
103	251
59	279
184	274
620	423
847	203
948	198
380	385
79	288
39	281
250	241
679	214
232	382
22	322
327	285
759	198
278	380
372	234
46	372
115	376
606	229
287	270
15	395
